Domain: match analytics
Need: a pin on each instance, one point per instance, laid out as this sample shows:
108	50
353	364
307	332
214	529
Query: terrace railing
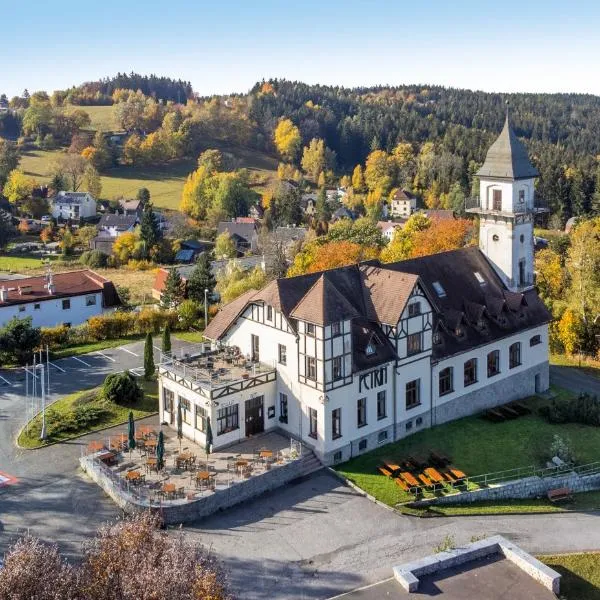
475	205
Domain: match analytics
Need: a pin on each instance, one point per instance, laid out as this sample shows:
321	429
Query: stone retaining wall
528	487
185	511
408	575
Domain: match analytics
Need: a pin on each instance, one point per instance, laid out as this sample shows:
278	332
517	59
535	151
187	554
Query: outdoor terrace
474	205
215	373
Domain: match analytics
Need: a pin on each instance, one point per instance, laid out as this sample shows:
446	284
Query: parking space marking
6	381
139	371
157	348
128	351
105	356
81	361
57	367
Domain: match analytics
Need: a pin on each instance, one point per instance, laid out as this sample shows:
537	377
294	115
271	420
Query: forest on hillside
428	139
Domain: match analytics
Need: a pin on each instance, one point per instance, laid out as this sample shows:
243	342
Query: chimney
3	294
51	288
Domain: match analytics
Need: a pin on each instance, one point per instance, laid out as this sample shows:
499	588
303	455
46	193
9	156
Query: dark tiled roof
507	157
323	304
70	197
244	230
503	312
365	332
120	222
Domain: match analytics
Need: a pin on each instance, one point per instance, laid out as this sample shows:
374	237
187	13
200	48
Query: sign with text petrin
373	379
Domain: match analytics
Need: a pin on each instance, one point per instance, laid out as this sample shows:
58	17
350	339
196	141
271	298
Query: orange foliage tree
441	236
339	254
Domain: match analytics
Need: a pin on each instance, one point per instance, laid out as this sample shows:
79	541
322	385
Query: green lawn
116	414
476	446
165	182
79	349
580	574
102	117
580	502
189	336
19	263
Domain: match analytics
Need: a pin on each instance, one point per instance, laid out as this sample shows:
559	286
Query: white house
69	298
388	229
403	204
355	357
73	205
114	225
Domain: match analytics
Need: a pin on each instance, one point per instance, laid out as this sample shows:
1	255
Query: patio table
240	465
266	454
169	489
95	446
147	430
152	464
108	458
409	479
150	445
133	476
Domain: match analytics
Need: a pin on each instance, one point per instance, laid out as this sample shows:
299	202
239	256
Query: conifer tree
173	292
201	279
148	357
149	230
166	339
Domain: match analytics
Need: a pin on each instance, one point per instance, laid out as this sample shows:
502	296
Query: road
312	539
573	379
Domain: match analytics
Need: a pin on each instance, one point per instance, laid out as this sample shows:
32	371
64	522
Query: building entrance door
255	422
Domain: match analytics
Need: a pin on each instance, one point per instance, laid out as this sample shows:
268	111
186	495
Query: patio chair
181	492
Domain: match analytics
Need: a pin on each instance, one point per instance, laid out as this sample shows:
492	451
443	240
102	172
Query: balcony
215	373
474	206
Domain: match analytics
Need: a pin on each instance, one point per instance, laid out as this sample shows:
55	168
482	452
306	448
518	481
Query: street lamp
205	307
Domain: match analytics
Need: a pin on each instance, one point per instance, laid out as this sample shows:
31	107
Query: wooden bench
560	494
426	481
384	471
451	479
520	408
508	412
400	483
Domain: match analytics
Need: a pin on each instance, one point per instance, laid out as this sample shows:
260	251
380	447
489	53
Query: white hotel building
359	356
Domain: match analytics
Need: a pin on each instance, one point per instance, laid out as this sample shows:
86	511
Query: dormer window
310	329
437	338
439	290
479	278
269	313
370	349
521	196
336	329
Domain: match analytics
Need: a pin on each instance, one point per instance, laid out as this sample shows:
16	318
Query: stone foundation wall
528	487
505	390
185	511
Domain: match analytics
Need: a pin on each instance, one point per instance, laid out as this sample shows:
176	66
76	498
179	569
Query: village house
114	225
73	205
243	232
131	207
403	204
69	298
348	359
388	228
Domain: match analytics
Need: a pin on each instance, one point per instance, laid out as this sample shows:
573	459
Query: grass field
19	263
116	415
94	346
476	446
580	574
102	117
165	182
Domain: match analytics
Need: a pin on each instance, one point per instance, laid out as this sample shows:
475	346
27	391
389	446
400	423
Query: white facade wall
403	208
67	210
49	313
530	356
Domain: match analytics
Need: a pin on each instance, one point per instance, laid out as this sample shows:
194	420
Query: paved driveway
574	379
311	539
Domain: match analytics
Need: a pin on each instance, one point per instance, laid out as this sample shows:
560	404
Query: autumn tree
358	180
9	159
18	186
211	160
71	168
443	235
288	140
363	231
91	181
317	158
224	246
235	281
85	235
380	172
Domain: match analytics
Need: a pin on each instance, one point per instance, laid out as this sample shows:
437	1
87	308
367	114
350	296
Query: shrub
562	448
189	312
54	337
121	388
584	409
94	258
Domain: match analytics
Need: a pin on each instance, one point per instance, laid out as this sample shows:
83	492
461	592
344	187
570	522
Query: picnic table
391	465
266	454
183	458
458	474
150	445
409	479
147	430
434	475
152	464
118	443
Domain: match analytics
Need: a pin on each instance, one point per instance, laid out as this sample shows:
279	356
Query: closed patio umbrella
131	432
209	440
160	451
179	425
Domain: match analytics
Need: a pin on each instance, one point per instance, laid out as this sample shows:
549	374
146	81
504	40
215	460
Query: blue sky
226	46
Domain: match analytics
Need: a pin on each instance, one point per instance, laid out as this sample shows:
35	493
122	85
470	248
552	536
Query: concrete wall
528	487
186	511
